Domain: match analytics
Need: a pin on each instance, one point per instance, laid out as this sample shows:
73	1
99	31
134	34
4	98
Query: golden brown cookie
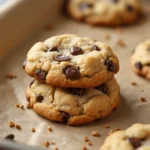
73	105
71	61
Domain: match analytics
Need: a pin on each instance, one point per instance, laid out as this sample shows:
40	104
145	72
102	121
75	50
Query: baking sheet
131	109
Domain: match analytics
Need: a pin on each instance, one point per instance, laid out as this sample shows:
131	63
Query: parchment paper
131	109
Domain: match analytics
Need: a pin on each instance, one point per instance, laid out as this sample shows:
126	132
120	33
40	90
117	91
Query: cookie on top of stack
74	79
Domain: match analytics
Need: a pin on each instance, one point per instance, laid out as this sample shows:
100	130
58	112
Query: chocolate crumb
107	126
11	76
18	126
143	99
95	133
121	43
10	137
84	147
17	105
50	129
33	129
107	37
46	144
86	139
133	83
11	124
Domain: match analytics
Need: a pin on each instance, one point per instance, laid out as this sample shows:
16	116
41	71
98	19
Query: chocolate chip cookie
140	59
74	106
71	61
105	12
137	137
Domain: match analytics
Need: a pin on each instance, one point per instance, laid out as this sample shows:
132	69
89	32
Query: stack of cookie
74	79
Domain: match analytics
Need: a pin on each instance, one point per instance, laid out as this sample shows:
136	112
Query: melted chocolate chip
24	64
135	142
31	83
71	72
10	137
65	116
102	88
129	8
41	75
110	65
138	65
76	91
85	5
76	50
53	49
62	58
95	47
39	98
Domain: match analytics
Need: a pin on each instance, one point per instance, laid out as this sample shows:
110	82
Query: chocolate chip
129	8
95	47
53	49
102	88
31	83
62	58
39	98
75	50
110	65
76	91
10	137
24	64
65	116
71	72
85	5
135	142
41	75
138	65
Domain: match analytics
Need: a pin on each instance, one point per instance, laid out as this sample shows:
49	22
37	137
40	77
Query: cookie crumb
17	105
11	124
121	43
89	143
133	83
33	129
95	133
11	75
84	147
22	107
86	139
107	37
143	99
107	126
117	129
10	137
46	144
50	129
28	105
18	126
56	148
119	30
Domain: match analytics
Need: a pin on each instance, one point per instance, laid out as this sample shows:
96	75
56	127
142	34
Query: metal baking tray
23	23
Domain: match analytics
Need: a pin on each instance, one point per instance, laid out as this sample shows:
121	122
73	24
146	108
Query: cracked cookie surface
140	59
105	12
136	137
71	61
73	105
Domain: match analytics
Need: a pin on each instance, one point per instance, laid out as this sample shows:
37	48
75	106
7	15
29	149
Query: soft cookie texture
137	137
71	61
105	12
140	59
73	105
